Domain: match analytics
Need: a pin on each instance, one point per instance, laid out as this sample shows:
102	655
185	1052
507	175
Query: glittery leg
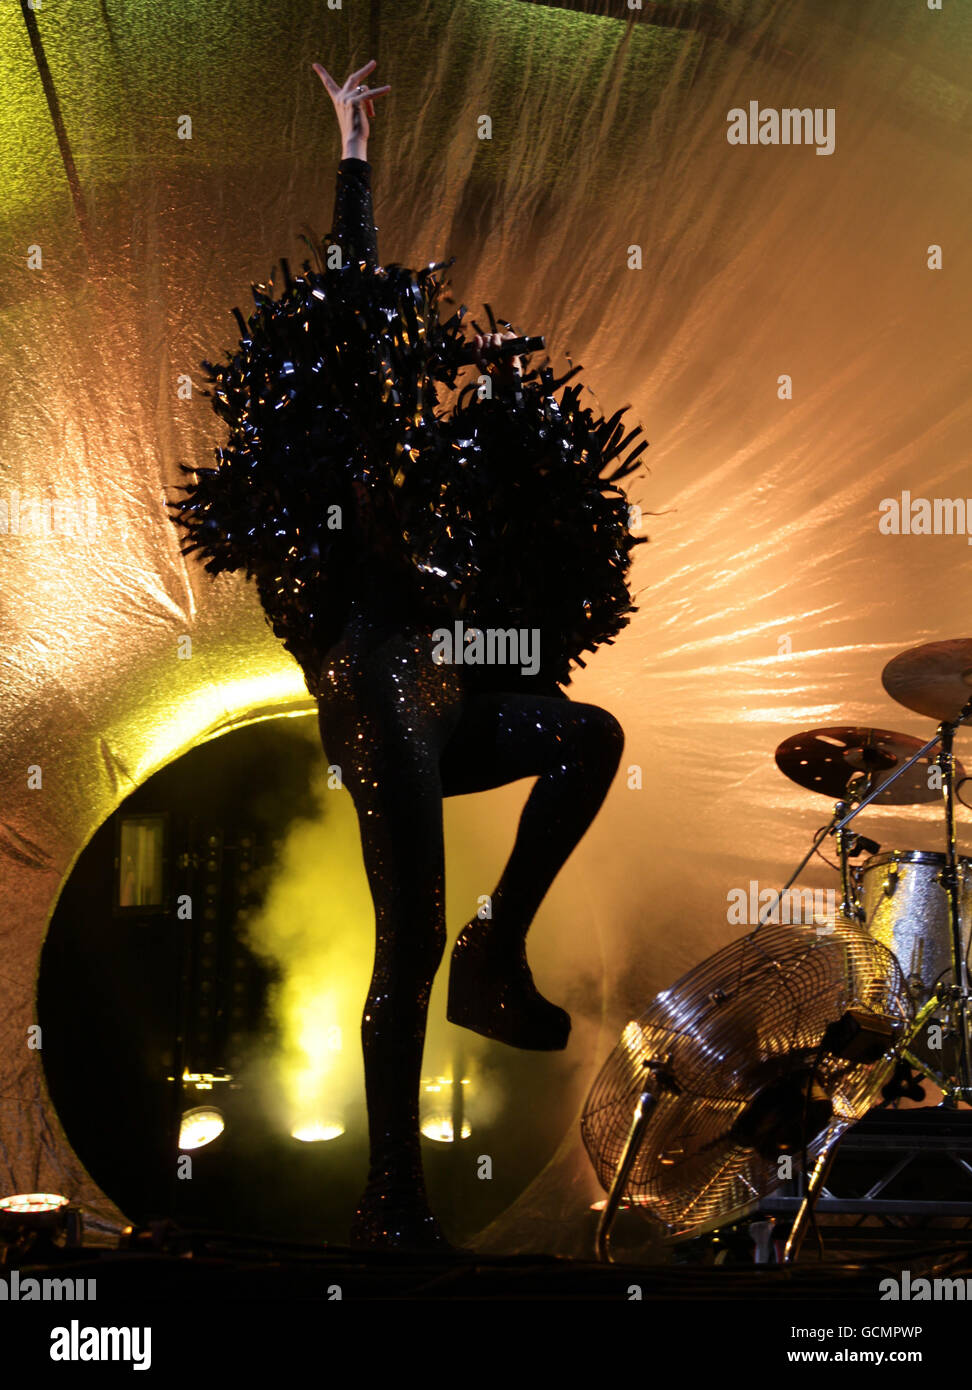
385	714
574	751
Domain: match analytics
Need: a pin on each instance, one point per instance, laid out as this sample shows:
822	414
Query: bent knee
602	731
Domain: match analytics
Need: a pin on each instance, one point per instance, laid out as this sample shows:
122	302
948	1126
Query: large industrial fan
766	1051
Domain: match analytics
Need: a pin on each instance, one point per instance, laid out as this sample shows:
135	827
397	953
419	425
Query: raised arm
354	225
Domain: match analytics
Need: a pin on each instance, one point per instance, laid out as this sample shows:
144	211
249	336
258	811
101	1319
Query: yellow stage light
440	1129
200	1126
439	1124
316	1132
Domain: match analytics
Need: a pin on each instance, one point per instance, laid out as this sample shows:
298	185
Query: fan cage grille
747	1023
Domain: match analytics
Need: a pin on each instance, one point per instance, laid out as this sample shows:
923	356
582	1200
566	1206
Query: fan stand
850	910
801	1222
647	1100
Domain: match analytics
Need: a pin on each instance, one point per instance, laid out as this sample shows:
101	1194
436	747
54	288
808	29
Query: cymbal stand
958	990
845	847
956	995
850	908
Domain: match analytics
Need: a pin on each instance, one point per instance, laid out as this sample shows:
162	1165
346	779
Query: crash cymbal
830	760
934	679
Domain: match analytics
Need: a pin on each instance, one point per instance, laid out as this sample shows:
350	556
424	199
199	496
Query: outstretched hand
353	105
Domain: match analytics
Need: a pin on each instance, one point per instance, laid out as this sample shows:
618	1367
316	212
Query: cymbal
934	679
830	760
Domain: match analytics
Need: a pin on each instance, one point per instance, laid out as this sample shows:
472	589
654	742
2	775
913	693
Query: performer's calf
574	751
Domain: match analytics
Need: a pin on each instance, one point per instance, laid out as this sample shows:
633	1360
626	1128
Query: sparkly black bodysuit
406	731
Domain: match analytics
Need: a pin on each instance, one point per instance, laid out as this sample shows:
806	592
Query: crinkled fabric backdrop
768	599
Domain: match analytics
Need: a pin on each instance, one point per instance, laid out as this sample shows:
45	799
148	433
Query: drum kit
779	1038
917	904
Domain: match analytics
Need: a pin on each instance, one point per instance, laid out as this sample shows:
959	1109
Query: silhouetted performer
373	523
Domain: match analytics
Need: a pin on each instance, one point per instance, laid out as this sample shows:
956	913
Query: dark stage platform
289	1274
241	1300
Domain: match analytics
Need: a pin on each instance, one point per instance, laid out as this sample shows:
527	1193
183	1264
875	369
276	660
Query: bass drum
905	908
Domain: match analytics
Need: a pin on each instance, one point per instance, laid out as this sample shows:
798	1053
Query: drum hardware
856	766
934	679
956	1083
904	906
847	845
848	761
848	907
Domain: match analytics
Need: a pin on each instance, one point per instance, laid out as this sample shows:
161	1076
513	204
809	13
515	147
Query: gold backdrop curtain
157	158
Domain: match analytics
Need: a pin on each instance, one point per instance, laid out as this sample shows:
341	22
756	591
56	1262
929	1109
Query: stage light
317	1132
31	1217
30	1202
200	1126
440	1129
205	1080
446	1108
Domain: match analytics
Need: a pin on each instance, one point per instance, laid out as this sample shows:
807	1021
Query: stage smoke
315	927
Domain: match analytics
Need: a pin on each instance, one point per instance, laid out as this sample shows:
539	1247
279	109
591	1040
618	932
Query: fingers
366	97
356	77
353	80
326	78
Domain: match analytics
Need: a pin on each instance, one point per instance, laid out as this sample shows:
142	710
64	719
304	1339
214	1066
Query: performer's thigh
385	714
376	696
502	738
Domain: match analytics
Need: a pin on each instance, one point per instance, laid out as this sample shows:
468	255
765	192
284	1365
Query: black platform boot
393	1213
491	992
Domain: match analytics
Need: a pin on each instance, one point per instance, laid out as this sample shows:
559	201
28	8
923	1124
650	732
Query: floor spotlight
443	1108
200	1126
440	1129
316	1132
38	1220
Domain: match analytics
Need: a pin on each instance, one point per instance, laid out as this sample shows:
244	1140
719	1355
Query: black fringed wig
499	513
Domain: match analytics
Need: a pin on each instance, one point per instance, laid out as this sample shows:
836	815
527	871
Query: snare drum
906	909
